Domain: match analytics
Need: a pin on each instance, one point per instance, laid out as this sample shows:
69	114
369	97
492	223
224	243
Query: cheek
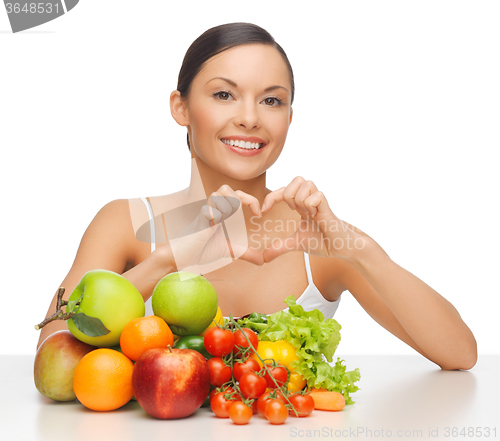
279	125
206	122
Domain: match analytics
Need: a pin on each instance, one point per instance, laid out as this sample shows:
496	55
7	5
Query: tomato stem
263	364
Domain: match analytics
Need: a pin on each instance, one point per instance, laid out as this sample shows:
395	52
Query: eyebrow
232	83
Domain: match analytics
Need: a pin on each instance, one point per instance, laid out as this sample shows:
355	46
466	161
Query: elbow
470	361
466	360
464	365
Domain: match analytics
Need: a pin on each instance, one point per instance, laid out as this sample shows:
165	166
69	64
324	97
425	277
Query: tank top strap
307	260
151	222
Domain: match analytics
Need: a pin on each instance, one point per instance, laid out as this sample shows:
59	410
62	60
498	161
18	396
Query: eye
272	101
222	95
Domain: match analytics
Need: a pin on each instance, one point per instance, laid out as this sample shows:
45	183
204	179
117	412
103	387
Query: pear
55	364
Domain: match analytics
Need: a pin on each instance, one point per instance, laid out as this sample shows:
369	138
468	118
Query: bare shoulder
107	243
109	235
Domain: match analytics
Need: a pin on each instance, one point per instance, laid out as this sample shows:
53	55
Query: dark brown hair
219	39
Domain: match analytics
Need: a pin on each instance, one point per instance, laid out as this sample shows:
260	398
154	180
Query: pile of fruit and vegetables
187	355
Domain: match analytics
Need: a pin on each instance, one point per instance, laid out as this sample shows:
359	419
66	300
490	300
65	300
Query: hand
319	232
207	239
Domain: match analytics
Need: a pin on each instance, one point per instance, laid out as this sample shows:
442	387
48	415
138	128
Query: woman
234	95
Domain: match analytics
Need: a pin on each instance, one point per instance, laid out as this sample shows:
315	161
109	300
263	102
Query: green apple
55	364
109	297
188	305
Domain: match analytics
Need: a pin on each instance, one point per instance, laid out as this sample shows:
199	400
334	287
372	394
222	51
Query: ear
291	114
178	108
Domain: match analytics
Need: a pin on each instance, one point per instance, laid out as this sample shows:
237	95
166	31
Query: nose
247	116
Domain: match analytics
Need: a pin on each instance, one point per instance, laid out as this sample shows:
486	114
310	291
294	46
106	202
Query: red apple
171	383
55	364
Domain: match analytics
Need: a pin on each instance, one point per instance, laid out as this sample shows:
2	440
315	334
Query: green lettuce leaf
315	341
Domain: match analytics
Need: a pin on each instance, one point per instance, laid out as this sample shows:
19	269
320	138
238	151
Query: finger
246	199
286	194
281	246
209	216
305	190
290	192
250	201
272	198
317	204
222	204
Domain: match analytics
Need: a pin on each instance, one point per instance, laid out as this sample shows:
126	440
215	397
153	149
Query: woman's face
241	95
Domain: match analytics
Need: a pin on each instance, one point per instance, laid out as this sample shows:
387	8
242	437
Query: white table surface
401	397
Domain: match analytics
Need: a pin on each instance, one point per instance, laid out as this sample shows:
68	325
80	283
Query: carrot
327	400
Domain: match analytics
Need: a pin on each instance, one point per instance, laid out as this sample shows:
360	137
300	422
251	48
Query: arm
108	243
394	297
408	307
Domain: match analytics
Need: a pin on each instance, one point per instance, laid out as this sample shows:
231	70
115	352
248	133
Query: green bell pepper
194	342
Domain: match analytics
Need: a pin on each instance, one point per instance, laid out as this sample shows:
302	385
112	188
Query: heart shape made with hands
216	233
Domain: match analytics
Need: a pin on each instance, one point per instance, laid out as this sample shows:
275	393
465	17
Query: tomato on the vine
240	413
252	385
220	404
303	404
254	406
279	373
241	342
240	367
276	412
212	393
265	398
218	342
220	373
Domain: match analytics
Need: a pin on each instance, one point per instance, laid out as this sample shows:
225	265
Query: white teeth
242	144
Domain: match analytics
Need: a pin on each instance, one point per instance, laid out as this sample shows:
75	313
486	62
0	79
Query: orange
103	380
145	333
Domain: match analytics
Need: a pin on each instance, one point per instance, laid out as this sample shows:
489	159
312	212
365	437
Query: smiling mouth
243	144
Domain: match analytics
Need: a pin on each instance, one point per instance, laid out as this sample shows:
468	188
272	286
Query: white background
396	120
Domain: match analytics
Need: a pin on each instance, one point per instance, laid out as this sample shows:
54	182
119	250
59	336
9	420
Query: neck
206	180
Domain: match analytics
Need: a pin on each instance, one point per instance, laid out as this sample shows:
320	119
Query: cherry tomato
240	340
240	367
226	390
240	413
276	412
296	382
279	373
303	404
265	398
252	385
220	373
254	406
212	393
220	404
219	342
